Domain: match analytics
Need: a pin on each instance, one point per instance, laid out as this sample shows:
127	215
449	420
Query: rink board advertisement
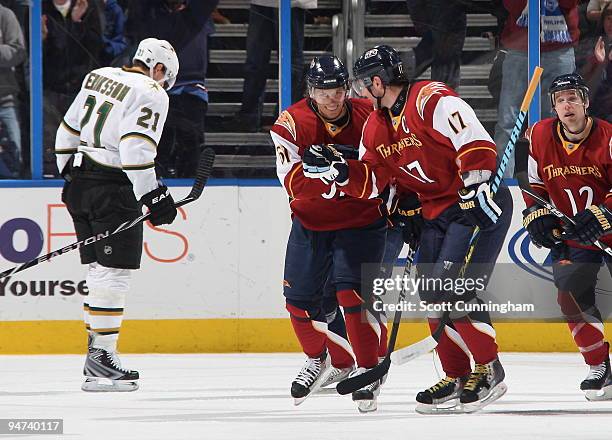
212	281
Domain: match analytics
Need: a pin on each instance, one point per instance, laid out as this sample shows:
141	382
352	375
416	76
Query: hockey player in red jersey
570	164
332	235
429	141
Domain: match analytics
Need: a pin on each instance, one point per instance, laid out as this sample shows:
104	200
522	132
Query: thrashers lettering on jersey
572	175
425	146
318	206
116	120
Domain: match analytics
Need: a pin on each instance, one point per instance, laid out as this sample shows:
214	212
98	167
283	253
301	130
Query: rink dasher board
219	266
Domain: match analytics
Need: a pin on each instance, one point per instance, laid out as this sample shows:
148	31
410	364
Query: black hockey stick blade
355	383
205	167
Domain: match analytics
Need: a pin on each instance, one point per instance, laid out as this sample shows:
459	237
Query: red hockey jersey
425	146
572	175
318	206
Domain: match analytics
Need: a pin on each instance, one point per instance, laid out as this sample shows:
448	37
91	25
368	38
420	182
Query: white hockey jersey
116	120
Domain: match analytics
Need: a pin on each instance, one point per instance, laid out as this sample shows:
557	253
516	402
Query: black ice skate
485	386
310	378
598	383
443	397
336	375
103	372
366	396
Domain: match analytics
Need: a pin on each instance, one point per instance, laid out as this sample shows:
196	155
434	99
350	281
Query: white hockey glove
326	163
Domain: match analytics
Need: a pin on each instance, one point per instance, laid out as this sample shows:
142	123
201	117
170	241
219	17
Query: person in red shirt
430	143
332	235
570	164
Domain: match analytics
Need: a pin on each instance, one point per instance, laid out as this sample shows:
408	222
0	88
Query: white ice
246	396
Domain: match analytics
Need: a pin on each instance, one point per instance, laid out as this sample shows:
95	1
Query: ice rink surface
246	396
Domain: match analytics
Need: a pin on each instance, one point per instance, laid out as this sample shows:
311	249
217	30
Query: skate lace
480	371
333	374
444	382
113	357
596	372
309	372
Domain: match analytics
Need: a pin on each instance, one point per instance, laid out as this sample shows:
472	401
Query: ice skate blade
366	406
451	406
315	390
101	385
327	391
598	395
497	391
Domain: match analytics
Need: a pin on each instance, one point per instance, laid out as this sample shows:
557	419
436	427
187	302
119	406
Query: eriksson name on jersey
106	86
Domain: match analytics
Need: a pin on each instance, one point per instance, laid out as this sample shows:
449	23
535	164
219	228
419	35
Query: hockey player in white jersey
105	149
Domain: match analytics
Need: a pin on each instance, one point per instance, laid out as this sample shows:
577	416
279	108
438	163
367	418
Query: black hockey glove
478	206
408	215
160	203
543	227
326	163
590	225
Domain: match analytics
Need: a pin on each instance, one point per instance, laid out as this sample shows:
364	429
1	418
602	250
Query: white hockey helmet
152	51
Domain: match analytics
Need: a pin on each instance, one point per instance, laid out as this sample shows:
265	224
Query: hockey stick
423	346
372	375
204	170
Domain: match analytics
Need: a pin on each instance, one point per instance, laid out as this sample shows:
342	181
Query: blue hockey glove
478	206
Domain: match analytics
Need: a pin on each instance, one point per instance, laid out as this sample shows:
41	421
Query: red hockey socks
311	334
362	328
453	353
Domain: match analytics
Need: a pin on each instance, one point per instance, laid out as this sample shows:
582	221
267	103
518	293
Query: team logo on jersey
387	150
551	171
425	95
108	250
286	120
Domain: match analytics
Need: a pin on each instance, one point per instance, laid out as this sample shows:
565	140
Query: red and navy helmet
571	81
327	72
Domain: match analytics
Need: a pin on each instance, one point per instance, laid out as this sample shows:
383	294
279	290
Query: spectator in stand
262	38
598	71
442	24
12	53
72	44
559	21
114	39
588	37
595	8
187	25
